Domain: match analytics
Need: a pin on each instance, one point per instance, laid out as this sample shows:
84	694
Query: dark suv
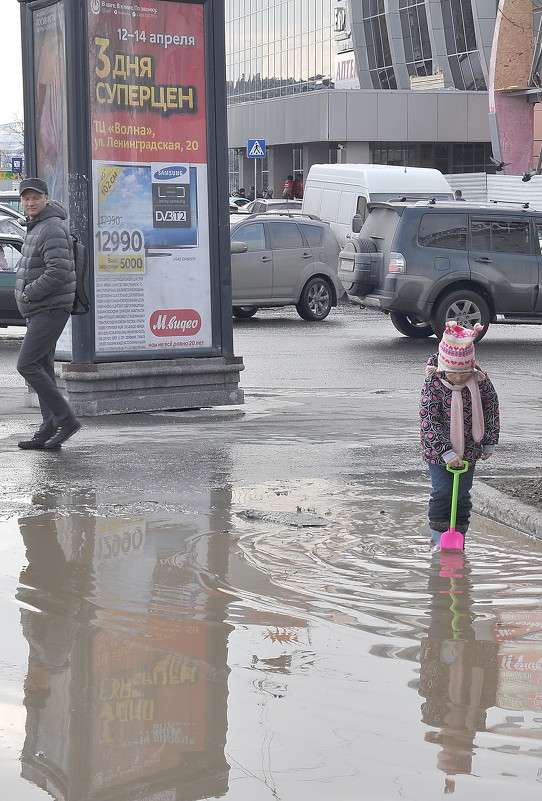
428	262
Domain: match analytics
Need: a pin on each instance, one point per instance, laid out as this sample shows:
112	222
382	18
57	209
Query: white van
338	192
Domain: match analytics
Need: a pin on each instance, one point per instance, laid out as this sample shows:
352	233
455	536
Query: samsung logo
166	173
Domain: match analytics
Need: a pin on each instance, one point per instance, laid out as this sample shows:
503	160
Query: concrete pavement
18	419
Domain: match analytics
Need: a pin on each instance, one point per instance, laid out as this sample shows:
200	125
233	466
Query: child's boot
434	542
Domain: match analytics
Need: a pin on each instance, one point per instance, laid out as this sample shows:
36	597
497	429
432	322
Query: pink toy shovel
453	540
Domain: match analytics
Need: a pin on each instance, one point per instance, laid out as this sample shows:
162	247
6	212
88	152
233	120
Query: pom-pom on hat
456	349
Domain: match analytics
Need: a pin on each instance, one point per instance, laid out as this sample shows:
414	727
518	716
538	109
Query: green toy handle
455	490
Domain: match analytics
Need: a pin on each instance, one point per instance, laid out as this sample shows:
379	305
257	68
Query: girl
459	416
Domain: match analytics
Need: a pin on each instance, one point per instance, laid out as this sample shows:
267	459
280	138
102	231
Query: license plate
347	265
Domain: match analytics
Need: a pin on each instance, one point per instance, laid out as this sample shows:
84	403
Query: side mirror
357	223
238	247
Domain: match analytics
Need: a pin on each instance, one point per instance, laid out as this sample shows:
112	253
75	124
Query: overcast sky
11	91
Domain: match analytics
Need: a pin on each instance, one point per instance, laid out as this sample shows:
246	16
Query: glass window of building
416	39
461	45
278	47
378	45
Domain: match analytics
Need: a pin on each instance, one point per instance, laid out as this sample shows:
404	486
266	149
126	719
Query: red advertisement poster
149	149
147	81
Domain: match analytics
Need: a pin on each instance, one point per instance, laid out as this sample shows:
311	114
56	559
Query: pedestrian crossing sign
255	148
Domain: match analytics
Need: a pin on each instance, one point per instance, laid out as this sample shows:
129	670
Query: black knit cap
34	183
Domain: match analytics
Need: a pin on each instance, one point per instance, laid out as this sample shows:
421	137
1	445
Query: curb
495	505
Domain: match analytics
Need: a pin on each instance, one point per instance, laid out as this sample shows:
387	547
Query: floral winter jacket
435	416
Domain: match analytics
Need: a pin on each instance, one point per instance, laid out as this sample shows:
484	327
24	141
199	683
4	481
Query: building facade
374	81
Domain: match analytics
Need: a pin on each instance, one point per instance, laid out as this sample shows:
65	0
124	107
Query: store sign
343	31
346	74
149	152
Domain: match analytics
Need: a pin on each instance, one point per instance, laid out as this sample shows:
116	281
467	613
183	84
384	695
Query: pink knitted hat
456	349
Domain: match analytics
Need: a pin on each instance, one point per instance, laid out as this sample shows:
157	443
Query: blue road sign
255	148
17	165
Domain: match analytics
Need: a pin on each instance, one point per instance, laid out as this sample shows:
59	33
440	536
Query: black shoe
62	434
35	444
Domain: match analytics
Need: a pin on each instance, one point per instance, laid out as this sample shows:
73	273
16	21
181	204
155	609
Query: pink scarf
457	428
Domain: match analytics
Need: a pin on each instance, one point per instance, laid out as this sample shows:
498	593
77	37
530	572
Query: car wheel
411	326
316	299
244	312
365	246
464	306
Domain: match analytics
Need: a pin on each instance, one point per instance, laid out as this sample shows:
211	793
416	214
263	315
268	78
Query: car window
252	235
313	234
443	231
285	235
361	206
9	226
500	236
9	257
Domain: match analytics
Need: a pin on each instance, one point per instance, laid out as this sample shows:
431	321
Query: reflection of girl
458	669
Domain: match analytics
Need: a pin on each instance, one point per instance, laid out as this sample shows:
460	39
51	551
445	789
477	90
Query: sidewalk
153	432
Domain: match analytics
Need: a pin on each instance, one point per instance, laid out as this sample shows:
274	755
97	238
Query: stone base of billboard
152	385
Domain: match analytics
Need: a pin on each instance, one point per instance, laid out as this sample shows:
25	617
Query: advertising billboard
149	166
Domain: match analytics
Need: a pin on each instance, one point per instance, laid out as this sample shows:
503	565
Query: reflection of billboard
520	660
126	690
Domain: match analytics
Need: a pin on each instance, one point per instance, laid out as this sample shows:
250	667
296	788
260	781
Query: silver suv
429	262
282	260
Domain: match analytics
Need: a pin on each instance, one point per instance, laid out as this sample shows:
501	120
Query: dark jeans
36	364
440	501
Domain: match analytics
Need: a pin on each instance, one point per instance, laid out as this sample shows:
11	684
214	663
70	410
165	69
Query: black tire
365	246
411	326
466	307
244	312
316	299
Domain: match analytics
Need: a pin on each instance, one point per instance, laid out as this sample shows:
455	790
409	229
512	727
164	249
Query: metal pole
255	176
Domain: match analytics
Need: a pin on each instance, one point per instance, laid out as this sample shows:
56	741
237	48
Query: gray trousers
36	364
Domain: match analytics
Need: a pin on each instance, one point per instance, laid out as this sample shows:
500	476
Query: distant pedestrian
269	192
459	421
252	194
241	192
298	186
458	195
288	188
45	292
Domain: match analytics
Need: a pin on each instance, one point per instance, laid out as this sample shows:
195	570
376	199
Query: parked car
429	262
9	225
235	200
10	252
339	193
262	204
9	211
283	261
12	198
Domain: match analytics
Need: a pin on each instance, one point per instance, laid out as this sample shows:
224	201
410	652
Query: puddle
174	648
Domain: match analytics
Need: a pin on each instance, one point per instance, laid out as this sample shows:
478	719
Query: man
458	195
44	292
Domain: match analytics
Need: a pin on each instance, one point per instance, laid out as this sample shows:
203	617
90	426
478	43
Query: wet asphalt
330	399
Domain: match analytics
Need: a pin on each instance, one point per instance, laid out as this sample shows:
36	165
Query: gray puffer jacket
46	271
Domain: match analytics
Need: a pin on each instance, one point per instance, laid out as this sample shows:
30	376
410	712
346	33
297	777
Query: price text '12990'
120	251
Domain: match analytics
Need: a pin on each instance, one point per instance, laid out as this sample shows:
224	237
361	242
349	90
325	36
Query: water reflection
126	688
458	667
